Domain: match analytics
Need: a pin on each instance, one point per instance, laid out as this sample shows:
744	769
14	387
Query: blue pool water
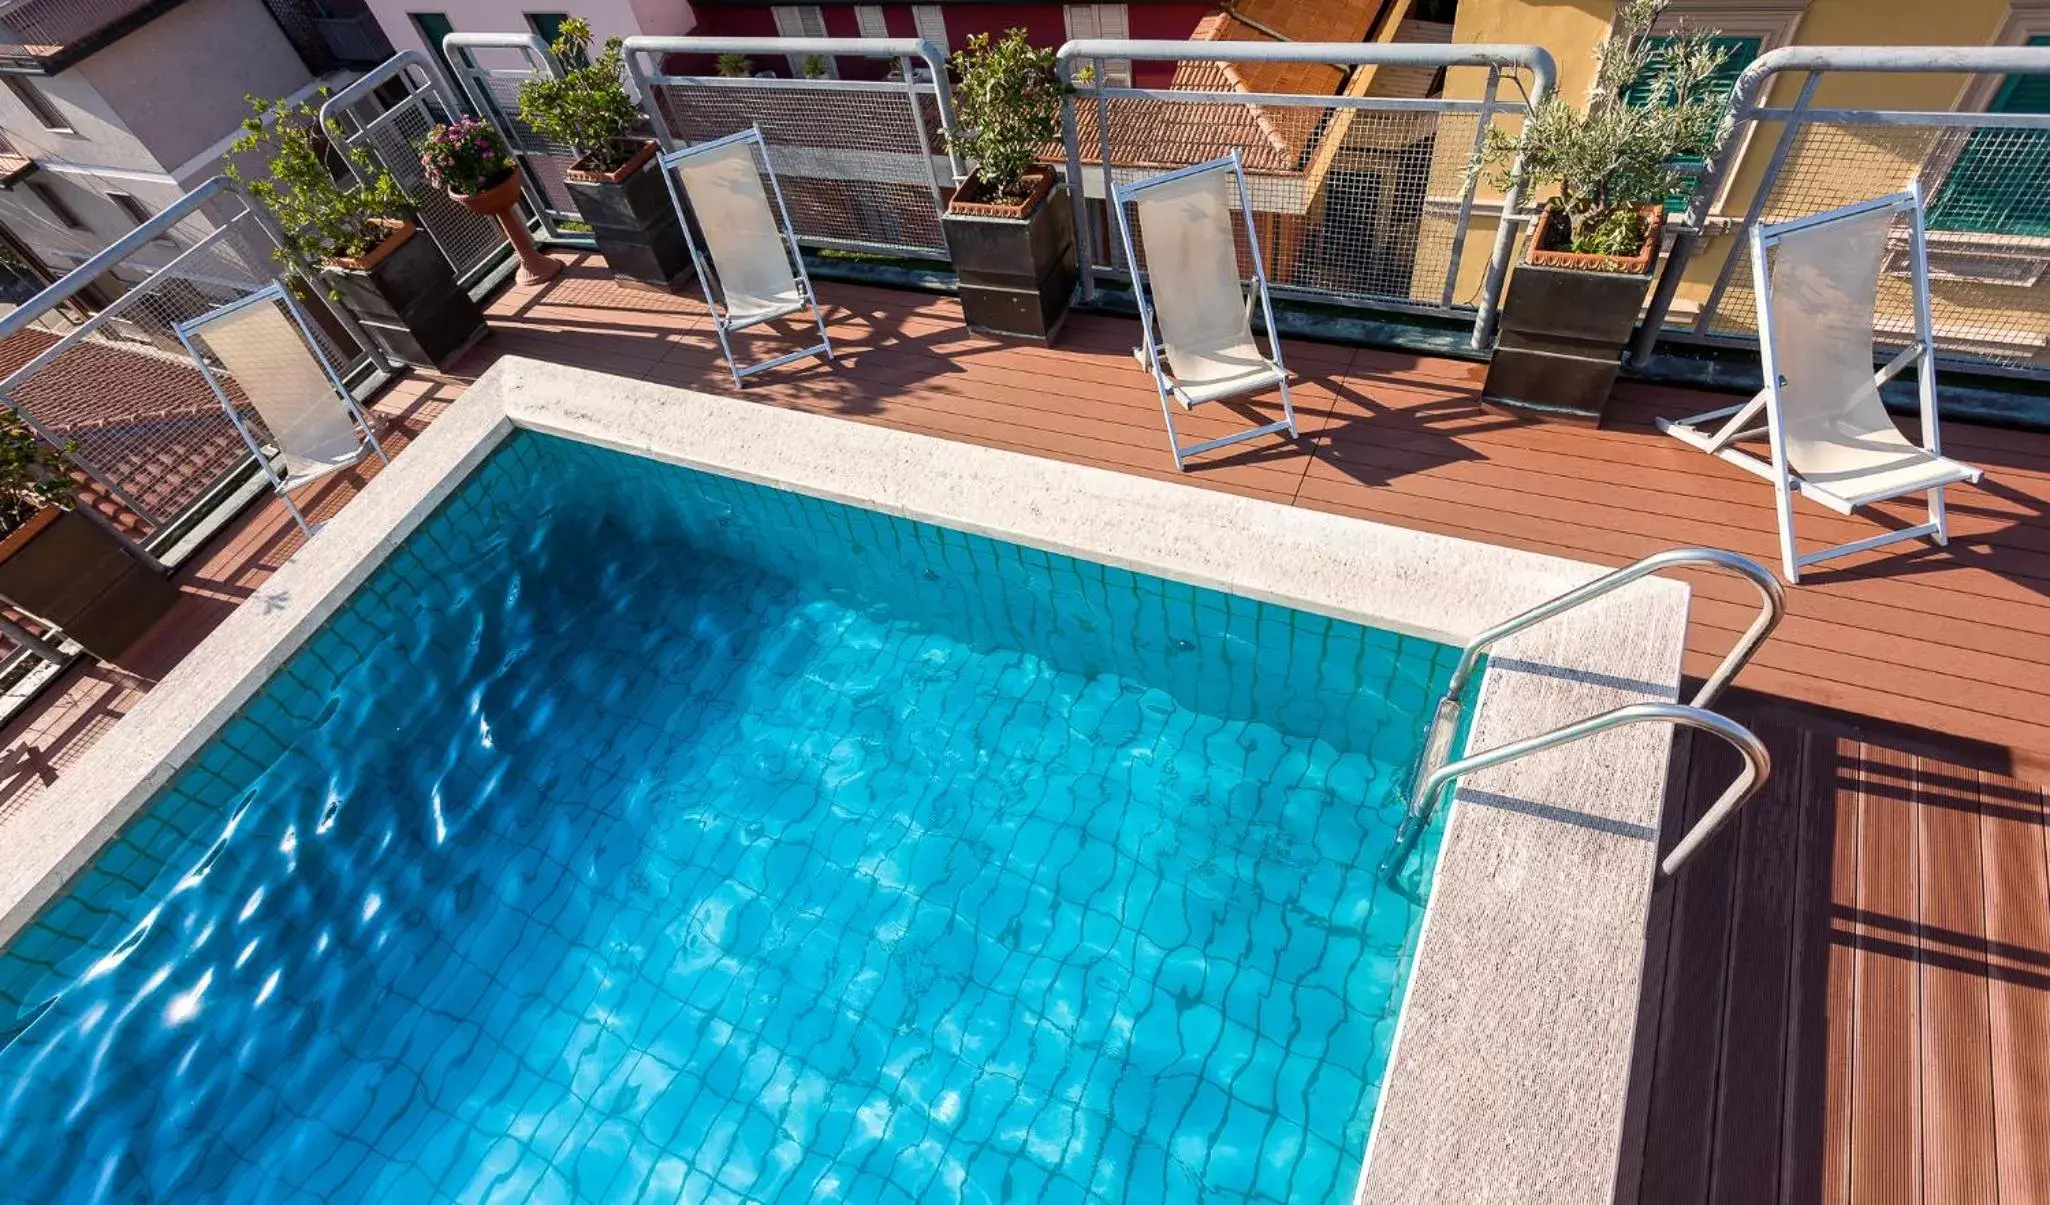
637	834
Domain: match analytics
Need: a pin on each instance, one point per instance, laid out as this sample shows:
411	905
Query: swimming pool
639	833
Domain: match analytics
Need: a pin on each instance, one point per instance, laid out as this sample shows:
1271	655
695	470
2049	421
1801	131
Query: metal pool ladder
1434	772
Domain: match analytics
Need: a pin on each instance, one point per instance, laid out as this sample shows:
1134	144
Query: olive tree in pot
1575	298
614	184
62	567
469	160
362	238
1009	228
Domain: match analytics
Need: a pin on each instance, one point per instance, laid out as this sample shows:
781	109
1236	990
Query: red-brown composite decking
1847	1002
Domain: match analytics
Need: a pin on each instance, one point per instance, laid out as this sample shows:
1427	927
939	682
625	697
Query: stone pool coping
1512	1051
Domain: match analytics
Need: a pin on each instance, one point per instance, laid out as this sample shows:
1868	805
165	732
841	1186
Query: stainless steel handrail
1757	767
1772	598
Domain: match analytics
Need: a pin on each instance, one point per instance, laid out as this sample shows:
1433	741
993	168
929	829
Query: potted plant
63	568
1008	227
1575	299
612	183
733	66
468	159
362	238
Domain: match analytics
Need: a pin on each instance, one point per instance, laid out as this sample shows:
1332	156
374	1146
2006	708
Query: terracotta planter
407	298
1566	321
1015	260
632	219
67	570
500	201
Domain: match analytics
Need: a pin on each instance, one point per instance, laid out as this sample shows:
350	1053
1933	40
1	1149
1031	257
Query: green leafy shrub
321	219
1008	106
588	108
1620	152
31	476
733	66
814	67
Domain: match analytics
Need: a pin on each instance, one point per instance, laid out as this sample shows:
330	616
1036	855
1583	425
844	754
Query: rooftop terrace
1847	996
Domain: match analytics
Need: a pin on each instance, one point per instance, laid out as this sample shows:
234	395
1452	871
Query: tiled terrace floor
1848	1002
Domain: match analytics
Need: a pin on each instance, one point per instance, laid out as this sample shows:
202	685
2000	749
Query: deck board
1847	996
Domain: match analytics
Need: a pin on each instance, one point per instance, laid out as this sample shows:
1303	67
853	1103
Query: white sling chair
1194	312
264	343
755	261
1831	437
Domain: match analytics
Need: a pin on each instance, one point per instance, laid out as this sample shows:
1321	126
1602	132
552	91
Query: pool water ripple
635	834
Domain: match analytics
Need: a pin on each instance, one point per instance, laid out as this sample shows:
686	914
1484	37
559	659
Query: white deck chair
264	343
758	269
1195	313
1832	439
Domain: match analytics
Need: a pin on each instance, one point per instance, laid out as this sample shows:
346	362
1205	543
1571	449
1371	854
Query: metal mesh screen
492	76
860	169
1988	195
1353	205
392	133
138	417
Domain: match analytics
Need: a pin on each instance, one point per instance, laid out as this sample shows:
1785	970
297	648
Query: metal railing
1361	200
490	68
1984	173
1435	773
34	32
862	160
388	112
145	435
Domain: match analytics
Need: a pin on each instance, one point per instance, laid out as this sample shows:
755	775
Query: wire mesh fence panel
491	75
860	168
122	397
389	113
1355	204
1988	234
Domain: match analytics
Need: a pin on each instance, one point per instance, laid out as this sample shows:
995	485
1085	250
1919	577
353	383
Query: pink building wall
608	18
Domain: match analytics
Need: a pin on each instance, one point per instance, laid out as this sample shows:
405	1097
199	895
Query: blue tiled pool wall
574	850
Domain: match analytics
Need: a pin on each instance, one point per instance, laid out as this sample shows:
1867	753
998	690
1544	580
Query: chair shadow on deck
1846	995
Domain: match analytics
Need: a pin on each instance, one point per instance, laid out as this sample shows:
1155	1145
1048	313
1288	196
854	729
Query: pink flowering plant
465	157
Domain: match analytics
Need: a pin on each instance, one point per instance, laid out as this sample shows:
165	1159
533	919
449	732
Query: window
548	26
55	204
868	21
134	210
2000	181
38	105
1102	21
803	21
1737	55
433	27
931	20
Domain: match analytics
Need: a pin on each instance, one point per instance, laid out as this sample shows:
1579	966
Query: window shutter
802	21
868	18
1103	21
2000	181
931	21
1737	55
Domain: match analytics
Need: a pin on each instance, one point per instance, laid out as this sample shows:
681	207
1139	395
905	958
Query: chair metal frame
1741	421
700	259
1151	355
275	291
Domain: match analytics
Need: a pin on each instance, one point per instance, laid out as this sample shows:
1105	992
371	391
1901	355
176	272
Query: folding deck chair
264	343
1195	313
1817	282
757	272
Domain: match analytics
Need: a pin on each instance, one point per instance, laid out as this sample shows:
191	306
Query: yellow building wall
1828	166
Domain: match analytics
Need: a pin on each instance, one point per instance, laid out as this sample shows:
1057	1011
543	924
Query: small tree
589	107
733	66
814	67
321	219
1008	106
1618	154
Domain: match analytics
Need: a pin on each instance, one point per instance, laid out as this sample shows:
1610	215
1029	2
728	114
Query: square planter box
66	569
407	298
633	220
1563	332
1016	274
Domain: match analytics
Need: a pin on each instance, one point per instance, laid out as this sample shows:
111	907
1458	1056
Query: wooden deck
1849	1002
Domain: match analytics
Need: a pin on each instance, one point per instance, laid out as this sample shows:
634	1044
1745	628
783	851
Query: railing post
1542	73
1078	200
1471	186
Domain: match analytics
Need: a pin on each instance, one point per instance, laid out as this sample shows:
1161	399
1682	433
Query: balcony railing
48	35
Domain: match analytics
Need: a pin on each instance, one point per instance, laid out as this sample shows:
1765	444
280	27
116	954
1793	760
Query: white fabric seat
1194	311
263	343
756	272
1817	280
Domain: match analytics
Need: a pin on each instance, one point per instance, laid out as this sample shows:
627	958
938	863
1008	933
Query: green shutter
2000	181
1738	53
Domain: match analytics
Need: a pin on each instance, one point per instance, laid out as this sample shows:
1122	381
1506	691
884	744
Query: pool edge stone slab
1512	1053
